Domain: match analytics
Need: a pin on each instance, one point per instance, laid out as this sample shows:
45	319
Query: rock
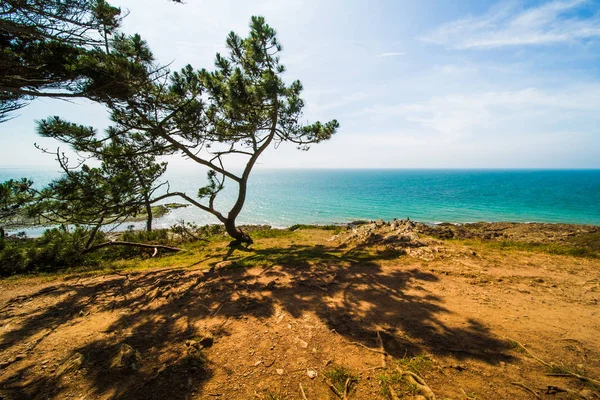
206	341
127	359
312	374
192	344
279	371
223	264
73	363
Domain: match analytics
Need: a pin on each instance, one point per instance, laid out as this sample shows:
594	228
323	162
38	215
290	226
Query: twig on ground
359	344
558	389
522	385
530	353
271	363
303	394
312	285
338	394
382	349
219	309
347	388
580	377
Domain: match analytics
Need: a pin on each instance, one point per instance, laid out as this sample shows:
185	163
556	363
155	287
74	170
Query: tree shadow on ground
158	312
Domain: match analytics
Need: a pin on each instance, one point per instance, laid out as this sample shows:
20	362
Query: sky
414	84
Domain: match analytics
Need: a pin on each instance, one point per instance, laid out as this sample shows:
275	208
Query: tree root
522	385
551	366
418	382
393	393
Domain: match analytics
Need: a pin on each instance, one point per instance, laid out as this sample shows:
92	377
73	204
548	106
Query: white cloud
458	117
392	54
550	23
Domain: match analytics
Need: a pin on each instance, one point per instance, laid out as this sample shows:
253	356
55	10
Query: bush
56	249
61	248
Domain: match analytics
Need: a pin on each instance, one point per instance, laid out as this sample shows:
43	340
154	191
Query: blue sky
414	84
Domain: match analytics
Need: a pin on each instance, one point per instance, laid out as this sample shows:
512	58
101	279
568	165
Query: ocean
282	198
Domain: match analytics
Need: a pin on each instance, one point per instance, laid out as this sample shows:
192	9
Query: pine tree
238	110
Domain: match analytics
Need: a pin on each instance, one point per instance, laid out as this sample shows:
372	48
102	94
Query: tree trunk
93	234
148	214
237	234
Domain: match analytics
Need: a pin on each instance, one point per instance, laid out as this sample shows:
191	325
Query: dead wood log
131	244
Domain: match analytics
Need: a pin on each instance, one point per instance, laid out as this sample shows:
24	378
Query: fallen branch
419	383
131	244
522	385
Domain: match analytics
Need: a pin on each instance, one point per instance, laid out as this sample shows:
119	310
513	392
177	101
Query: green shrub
57	248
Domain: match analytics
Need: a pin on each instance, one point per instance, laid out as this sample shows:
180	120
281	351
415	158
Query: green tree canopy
14	195
236	111
67	48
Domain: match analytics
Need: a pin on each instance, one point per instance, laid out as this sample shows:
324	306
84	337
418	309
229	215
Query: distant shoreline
283	197
483	227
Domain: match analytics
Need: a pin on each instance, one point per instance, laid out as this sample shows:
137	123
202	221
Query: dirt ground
279	321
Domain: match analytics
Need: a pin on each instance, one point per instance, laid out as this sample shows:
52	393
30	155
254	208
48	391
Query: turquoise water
285	197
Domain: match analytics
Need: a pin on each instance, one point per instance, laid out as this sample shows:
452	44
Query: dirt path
263	331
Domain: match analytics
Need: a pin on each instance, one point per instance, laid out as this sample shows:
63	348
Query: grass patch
270	395
573	250
271	233
339	377
335	228
393	380
565	369
418	364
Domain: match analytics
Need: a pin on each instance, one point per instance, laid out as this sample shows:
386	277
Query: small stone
312	374
279	371
126	359
223	264
73	363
